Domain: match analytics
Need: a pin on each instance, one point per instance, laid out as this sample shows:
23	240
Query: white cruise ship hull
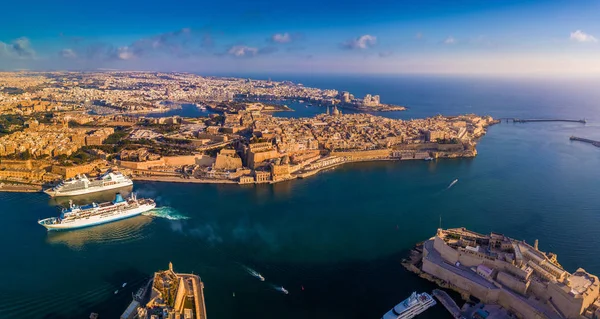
98	219
88	190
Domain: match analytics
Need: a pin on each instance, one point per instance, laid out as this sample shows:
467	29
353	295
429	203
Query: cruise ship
95	214
409	308
81	185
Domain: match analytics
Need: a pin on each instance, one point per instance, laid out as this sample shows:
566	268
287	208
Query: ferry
95	214
81	184
411	307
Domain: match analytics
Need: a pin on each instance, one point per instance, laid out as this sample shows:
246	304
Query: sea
334	241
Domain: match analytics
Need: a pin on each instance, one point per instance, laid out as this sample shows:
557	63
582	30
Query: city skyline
431	37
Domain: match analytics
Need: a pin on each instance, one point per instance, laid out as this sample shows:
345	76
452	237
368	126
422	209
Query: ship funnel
118	198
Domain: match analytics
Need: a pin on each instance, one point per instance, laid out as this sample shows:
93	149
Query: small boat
453	182
123	285
116	291
429	158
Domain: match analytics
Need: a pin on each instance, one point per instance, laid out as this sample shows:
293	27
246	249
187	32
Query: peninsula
168	295
500	270
51	129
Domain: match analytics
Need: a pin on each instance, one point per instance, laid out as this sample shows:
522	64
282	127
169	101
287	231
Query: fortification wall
483	293
445	251
513	283
180	160
363	154
519	306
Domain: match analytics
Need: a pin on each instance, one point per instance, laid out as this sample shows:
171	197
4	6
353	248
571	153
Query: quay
585	140
515	120
448	302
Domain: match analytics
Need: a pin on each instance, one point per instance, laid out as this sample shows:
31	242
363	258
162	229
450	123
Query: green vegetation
9	121
447	141
453	236
162	128
82	156
215	121
13	91
44	118
116	137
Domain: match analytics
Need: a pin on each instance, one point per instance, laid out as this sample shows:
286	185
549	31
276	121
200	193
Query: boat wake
165	212
253	273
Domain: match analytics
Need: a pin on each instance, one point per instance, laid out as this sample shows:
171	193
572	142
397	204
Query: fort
169	295
500	270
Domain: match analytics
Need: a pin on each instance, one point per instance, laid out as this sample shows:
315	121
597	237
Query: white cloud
450	40
242	51
363	42
581	36
281	38
68	53
125	53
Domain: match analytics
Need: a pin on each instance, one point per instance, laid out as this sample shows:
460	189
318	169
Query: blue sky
327	36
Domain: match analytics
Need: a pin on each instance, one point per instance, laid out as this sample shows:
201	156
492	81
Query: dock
548	120
585	140
448	302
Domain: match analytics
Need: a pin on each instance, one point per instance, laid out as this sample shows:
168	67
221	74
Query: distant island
500	270
57	125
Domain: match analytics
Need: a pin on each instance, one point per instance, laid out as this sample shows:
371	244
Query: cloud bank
19	49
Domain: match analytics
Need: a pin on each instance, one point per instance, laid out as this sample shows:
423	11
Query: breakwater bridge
585	140
516	120
450	305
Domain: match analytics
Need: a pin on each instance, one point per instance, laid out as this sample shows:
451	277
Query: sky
553	37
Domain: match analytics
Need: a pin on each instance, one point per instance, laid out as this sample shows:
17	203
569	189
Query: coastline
299	175
20	188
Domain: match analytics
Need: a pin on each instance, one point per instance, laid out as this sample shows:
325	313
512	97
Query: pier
450	305
585	140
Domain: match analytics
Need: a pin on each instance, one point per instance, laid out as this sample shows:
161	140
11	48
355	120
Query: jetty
448	302
515	120
585	140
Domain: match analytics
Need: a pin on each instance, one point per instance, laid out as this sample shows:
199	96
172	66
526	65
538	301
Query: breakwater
515	120
585	140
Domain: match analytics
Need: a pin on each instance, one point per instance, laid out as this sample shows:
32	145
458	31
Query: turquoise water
340	234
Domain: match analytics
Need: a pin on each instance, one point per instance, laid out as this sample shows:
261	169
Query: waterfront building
501	270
